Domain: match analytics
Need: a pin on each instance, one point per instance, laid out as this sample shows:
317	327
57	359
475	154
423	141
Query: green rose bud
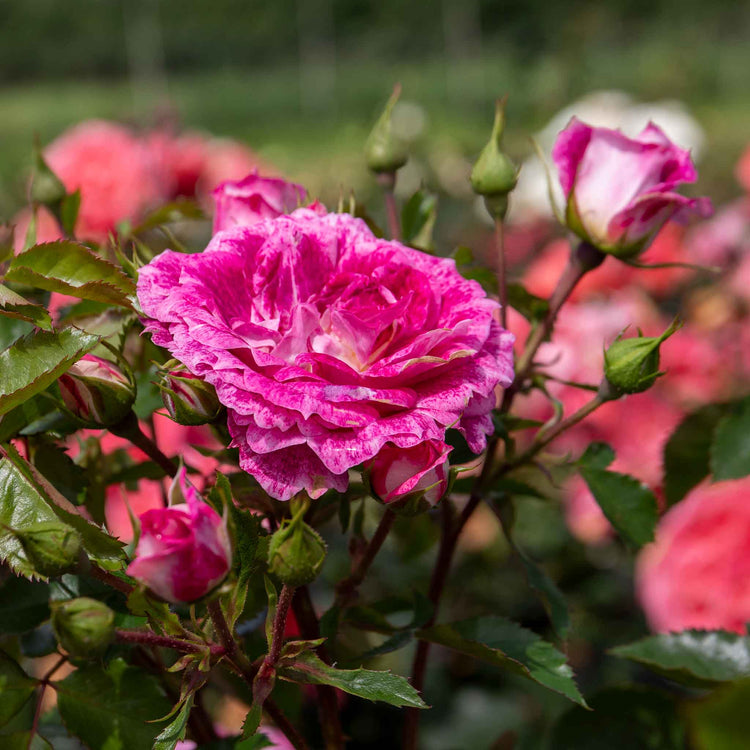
52	547
494	174
46	187
632	365
188	399
384	151
97	391
296	552
84	627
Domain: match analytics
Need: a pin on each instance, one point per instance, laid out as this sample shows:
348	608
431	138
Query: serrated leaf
507	645
418	219
16	687
174	732
31	364
364	683
70	268
629	718
692	656
14	305
730	451
628	504
111	708
23	605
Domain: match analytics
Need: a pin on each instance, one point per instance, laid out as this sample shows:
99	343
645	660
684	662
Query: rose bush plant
200	440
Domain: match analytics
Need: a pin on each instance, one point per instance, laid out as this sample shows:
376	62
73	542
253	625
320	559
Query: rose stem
286	726
502	280
147	638
130	430
347	588
228	641
43	682
387	181
111	580
328	705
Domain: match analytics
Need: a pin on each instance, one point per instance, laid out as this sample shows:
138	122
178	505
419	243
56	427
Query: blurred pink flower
724	236
742	170
696	572
325	343
112	168
253	199
620	191
184	550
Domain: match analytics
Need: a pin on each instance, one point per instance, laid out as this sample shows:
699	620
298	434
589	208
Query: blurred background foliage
301	80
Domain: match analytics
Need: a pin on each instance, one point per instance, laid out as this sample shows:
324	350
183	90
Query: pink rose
184	550
253	199
620	191
695	574
325	343
114	171
420	471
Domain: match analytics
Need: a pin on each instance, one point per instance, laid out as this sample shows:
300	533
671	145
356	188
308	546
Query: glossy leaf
112	707
31	364
507	645
70	268
730	451
14	305
364	683
692	656
16	687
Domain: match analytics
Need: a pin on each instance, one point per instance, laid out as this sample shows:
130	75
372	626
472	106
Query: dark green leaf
687	452
418	218
730	452
532	308
69	207
692	656
16	687
11	330
551	596
23	605
24	415
14	305
24	741
627	503
33	363
509	646
60	469
111	708
257	742
179	210
67	267
461	453
175	732
364	683
630	718
597	456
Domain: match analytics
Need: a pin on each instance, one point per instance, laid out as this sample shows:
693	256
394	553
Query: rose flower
325	343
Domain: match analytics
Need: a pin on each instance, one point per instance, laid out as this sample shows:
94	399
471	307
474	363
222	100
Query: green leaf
418	219
687	452
507	645
721	721
597	456
13	305
532	308
730	452
26	498
110	708
364	683
23	605
629	718
31	364
552	598
67	267
179	210
173	733
692	656
257	742
16	687
628	504
24	741
69	207
24	415
60	469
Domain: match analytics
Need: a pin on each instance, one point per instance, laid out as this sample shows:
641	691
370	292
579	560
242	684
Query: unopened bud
494	174
188	399
84	627
296	553
97	391
632	365
46	187
384	151
52	547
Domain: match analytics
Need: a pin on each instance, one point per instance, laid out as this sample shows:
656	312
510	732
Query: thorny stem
502	280
43	682
130	430
147	638
328	706
279	624
346	590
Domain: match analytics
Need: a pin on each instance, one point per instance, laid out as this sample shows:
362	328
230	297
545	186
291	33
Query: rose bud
188	399
296	552
632	365
412	479
621	191
253	199
184	550
384	151
97	391
46	187
494	174
52	547
84	627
